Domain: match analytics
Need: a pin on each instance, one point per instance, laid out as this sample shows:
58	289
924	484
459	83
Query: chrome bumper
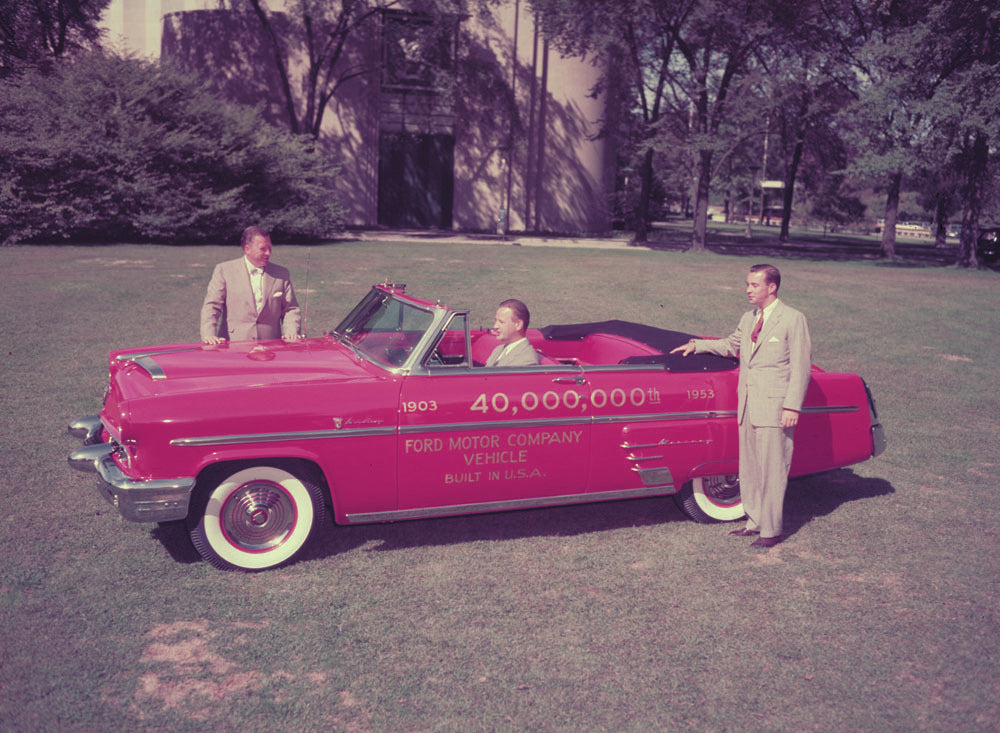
159	500
879	441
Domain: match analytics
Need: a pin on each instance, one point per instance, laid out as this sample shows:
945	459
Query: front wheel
256	518
711	499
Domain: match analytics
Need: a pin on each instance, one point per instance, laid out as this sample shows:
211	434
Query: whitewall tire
256	518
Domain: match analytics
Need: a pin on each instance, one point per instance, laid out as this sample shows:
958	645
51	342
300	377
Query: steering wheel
435	359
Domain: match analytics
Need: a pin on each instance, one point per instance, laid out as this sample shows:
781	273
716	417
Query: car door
654	429
470	436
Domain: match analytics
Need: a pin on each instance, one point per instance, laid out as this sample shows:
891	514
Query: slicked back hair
251	233
771	274
517	309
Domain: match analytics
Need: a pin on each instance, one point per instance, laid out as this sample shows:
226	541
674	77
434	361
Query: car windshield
384	328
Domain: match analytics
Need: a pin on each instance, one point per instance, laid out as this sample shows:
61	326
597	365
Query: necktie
757	327
258	287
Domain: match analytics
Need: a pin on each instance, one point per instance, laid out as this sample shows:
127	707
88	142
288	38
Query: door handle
569	380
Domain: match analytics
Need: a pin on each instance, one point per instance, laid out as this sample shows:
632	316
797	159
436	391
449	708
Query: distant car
393	416
988	246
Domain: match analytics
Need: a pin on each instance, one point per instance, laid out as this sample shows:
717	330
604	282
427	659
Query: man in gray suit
775	352
250	298
511	322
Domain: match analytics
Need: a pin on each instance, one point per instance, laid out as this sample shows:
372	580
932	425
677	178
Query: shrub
108	148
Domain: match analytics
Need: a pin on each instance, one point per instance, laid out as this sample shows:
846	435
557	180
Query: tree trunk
645	186
891	214
763	171
279	65
978	156
941	217
789	190
699	234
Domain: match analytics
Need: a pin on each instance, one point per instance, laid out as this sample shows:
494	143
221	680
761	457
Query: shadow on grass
765	243
807	499
565	521
816	496
174	538
330	539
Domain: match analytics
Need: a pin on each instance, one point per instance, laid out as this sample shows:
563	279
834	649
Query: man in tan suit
775	352
511	322
250	298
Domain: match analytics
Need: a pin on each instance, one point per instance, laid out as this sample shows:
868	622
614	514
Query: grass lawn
880	611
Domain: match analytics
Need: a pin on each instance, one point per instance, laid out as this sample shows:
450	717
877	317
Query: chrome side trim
137	354
497	425
152	368
502	506
664	441
279	437
666	416
830	409
639	459
543	422
482	425
656	477
145	360
622	367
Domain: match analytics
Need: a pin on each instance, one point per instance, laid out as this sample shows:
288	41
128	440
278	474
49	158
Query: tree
327	35
694	70
716	44
42	30
885	120
803	97
966	94
925	77
106	148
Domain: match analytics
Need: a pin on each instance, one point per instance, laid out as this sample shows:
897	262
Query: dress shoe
766	541
744	532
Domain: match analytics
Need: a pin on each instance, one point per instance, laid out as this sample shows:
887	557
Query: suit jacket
774	371
230	310
522	354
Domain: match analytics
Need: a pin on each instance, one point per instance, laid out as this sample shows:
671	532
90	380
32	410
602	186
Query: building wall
561	174
135	26
512	147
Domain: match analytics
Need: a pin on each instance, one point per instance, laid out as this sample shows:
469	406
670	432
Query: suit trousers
765	458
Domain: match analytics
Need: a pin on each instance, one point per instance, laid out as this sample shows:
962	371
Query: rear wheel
711	499
255	518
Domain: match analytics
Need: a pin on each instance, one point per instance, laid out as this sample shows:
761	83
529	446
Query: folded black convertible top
658	338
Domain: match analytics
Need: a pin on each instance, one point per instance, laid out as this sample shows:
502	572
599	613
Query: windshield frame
361	319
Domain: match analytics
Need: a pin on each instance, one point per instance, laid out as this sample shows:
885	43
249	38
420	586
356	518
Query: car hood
196	367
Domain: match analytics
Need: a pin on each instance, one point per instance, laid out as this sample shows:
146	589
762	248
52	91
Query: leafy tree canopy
37	32
116	149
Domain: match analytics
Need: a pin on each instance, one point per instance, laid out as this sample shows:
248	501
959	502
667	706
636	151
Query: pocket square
773	340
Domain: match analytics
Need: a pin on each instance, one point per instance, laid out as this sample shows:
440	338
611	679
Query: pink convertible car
393	416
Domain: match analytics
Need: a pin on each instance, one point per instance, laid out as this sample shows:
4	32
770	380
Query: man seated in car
509	327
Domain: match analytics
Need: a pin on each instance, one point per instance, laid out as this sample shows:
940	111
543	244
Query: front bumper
155	500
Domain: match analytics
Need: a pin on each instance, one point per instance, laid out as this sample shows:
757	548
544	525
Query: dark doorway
416	180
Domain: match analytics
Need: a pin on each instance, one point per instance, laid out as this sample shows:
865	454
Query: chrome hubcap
722	490
258	516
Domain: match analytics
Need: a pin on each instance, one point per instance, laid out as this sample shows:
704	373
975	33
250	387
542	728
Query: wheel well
215	472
